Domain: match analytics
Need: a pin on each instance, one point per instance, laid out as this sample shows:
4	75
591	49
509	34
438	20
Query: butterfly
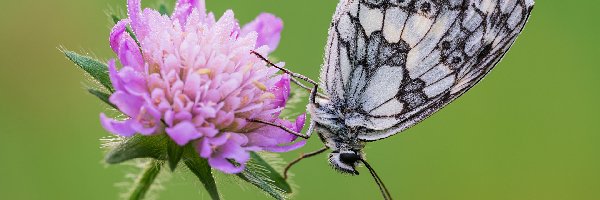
389	64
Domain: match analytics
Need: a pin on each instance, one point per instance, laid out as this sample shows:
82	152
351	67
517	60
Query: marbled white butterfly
389	64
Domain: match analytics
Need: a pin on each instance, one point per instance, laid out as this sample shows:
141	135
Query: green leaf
199	166
261	183
102	96
96	69
271	173
139	146
259	173
174	152
162	9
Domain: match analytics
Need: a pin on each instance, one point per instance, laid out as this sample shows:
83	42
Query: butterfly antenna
382	188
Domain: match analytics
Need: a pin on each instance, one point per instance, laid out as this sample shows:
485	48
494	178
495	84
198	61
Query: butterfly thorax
332	127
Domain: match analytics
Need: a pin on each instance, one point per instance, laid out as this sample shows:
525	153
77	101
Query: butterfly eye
349	158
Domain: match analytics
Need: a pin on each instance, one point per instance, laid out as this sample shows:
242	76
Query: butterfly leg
281	127
313	91
302	156
311	127
299	84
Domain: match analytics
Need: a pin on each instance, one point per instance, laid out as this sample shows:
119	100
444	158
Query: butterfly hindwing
393	63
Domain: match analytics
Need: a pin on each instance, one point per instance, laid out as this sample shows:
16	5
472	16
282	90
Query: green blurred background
529	131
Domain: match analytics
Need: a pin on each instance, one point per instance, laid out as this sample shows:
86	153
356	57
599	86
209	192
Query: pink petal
183	9
208	131
275	139
114	75
286	148
268	27
224	165
281	89
300	121
122	128
128	104
183	133
230	149
117	33
148	122
134	10
129	53
133	81
125	47
203	148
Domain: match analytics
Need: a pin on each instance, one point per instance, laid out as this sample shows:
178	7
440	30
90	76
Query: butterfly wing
392	63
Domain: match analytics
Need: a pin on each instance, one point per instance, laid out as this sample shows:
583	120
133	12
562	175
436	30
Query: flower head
193	78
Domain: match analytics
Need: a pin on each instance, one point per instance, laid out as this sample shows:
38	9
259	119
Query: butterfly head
345	161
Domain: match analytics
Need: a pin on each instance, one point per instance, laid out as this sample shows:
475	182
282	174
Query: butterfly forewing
392	63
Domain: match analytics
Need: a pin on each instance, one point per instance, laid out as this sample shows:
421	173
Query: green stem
144	182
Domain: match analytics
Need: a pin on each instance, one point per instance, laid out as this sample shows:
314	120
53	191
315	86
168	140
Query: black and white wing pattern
391	63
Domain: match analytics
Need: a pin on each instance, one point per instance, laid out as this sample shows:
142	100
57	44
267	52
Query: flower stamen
260	85
267	95
203	71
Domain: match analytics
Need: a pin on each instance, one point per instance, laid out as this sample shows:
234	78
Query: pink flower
194	78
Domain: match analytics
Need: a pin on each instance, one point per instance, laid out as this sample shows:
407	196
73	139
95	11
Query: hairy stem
144	182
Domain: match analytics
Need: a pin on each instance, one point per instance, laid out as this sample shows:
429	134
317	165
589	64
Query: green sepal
96	69
146	180
162	9
200	167
259	173
139	146
174	152
115	18
102	96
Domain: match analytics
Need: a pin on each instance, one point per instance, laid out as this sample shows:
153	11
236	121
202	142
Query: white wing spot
389	108
507	5
417	26
419	59
416	67
382	123
436	74
384	85
394	21
473	44
370	19
439	87
358	120
354	8
344	65
487	6
472	20
515	17
529	3
346	28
